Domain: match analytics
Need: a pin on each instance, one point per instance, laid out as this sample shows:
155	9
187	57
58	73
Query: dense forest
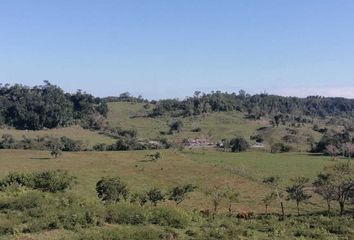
47	106
256	106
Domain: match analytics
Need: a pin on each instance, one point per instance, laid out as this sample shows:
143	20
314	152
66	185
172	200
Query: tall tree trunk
298	208
282	209
341	205
230	210
266	209
328	207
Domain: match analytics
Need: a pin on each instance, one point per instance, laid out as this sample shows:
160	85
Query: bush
197	129
124	213
17	178
47	181
169	216
279	148
111	189
53	181
239	144
100	147
24	201
176	126
70	145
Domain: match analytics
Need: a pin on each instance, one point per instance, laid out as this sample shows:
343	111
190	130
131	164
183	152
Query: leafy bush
176	126
239	144
124	213
17	178
47	181
53	181
111	189
169	216
279	148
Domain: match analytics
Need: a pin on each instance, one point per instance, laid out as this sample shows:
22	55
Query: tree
239	144
273	181
154	157
55	153
324	188
217	194
332	151
176	126
111	189
349	149
155	195
341	178
267	200
179	193
55	146
232	197
278	119
297	193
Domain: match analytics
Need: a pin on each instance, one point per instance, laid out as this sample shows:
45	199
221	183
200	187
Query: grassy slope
215	125
74	132
243	172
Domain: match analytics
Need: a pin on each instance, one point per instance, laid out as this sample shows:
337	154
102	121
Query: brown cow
205	213
244	215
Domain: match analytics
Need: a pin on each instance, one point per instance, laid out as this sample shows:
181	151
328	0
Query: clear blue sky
171	48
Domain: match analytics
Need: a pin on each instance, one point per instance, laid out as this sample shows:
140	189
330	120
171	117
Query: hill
215	125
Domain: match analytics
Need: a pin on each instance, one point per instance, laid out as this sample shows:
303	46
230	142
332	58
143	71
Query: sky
166	48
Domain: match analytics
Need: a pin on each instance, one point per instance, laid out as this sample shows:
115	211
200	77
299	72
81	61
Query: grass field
87	137
216	126
206	169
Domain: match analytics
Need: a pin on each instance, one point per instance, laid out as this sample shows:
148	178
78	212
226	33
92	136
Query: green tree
274	181
239	144
155	195
176	126
297	193
267	200
232	197
341	177
325	188
179	193
55	153
217	194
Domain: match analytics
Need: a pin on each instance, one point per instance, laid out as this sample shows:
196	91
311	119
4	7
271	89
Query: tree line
255	106
48	106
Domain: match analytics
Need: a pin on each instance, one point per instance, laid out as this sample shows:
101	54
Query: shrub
279	148
47	181
239	144
53	181
169	216
17	178
197	129
176	126
70	145
111	189
100	147
124	213
155	196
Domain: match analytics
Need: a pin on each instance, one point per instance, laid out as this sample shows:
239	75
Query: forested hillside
47	106
256	106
